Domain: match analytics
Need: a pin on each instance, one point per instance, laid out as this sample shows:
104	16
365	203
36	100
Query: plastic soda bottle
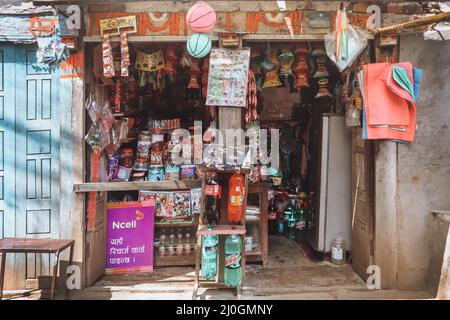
233	268
291	222
300	226
209	256
212	200
236	197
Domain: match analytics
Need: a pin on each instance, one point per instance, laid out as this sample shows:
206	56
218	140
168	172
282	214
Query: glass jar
156	154
338	250
141	164
187	246
144	143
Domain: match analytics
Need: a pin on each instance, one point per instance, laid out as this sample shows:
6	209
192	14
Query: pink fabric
383	105
387	103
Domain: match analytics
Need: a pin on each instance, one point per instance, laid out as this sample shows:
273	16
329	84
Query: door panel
37	153
7	155
30	135
363	203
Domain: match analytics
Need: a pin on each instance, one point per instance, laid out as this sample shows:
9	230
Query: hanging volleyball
201	17
198	45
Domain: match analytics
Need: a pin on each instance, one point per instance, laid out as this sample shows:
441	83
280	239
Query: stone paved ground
289	274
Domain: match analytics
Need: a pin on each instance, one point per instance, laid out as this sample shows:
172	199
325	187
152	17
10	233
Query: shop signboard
228	77
130	231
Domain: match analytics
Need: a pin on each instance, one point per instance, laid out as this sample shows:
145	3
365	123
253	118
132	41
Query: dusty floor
289	274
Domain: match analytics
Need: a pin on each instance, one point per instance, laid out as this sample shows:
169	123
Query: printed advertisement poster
228	77
129	237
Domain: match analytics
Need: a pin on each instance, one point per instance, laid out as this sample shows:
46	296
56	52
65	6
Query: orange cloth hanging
390	109
384	107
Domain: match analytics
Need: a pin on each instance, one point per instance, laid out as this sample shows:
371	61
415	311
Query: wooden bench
24	245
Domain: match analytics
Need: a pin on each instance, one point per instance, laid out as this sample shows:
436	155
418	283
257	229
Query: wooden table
24	245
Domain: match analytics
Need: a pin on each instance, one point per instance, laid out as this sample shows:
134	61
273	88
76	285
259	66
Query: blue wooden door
32	135
7	142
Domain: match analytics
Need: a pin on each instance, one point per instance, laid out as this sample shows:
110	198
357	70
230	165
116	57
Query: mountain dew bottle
233	269
209	256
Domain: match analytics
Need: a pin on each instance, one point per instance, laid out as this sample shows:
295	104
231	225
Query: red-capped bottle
212	200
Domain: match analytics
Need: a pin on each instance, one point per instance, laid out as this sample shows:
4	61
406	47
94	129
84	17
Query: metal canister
156	173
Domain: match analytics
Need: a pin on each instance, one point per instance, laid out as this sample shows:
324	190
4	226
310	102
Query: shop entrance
323	200
310	203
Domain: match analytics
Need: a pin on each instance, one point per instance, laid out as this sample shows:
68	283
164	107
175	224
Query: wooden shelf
176	224
167	261
252	253
136	185
221	230
225	170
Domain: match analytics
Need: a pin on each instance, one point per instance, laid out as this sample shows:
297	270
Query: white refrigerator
333	210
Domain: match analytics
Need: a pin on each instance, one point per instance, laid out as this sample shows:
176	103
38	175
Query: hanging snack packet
114	139
97	138
107	55
125	55
107	117
93	109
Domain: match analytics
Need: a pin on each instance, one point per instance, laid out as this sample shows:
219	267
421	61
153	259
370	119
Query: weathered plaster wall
439	263
423	167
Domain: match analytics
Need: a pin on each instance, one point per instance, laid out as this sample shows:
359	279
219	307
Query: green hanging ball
198	45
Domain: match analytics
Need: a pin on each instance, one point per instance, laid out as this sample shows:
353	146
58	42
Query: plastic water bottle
209	256
233	269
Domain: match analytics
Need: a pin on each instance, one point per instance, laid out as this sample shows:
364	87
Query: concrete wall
423	167
439	263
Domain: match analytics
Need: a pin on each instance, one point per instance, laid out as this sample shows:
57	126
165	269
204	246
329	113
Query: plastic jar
156	154
126	158
338	250
144	143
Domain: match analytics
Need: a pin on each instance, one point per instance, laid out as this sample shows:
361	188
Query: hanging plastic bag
115	140
107	117
97	137
93	109
52	51
357	42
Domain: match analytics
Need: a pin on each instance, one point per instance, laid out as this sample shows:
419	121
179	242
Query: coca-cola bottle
212	200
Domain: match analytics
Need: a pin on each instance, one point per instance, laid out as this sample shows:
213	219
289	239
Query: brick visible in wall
405	8
361	7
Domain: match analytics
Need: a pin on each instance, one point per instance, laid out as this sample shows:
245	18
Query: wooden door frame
369	151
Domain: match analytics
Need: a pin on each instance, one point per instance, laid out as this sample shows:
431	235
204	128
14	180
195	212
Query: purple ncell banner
129	237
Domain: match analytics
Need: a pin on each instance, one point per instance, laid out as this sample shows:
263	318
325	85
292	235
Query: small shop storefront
157	86
145	81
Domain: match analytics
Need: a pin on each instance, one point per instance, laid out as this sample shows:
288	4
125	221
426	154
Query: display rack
159	261
222	230
260	253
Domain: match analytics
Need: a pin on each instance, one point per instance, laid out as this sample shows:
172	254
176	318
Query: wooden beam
138	39
414	23
248	37
135	185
